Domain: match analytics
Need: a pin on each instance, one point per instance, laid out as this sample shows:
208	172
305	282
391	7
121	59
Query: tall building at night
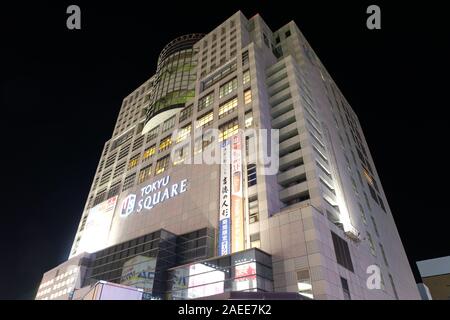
308	220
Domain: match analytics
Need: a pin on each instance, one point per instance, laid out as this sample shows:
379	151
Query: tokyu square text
152	195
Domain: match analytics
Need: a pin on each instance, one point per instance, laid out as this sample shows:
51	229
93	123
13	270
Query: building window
114	190
367	201
287	33
180	154
165	144
375	226
206	101
228	107
228	88
251	174
371	245
248	119
345	289
246	77
253	211
228	129
205	120
145	173
184	133
255	241
138	143
342	252
363	214
304	283
393	286
148	153
185	113
133	162
384	255
202	143
152	134
244	58
162	164
168	124
247	96
266	40
129	181
120	168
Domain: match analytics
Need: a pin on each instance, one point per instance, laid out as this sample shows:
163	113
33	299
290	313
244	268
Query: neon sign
152	195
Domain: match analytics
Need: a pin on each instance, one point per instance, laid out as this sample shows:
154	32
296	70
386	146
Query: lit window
162	164
184	133
228	129
205	120
206	101
180	154
304	284
368	177
228	107
246	77
133	162
148	153
165	144
247	96
228	88
248	119
145	173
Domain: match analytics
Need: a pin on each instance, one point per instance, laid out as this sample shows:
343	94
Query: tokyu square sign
152	195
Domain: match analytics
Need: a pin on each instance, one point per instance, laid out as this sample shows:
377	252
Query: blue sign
224	236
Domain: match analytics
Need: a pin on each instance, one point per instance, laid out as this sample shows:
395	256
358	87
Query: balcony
281	108
288	132
283	120
295	191
289	145
280	96
291	159
295	174
279	86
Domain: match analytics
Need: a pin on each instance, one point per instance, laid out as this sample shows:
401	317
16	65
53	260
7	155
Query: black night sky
61	91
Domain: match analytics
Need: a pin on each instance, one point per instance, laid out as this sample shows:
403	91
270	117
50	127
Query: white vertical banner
237	212
225	201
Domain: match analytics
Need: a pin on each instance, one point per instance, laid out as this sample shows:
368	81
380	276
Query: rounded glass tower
174	80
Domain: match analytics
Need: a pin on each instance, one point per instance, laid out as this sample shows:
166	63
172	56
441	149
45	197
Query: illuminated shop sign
139	272
231	215
237	212
204	281
98	223
152	195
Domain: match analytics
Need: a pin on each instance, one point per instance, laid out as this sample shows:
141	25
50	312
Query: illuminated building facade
309	223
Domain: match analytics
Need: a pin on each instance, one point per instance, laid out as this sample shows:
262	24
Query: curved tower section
174	80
